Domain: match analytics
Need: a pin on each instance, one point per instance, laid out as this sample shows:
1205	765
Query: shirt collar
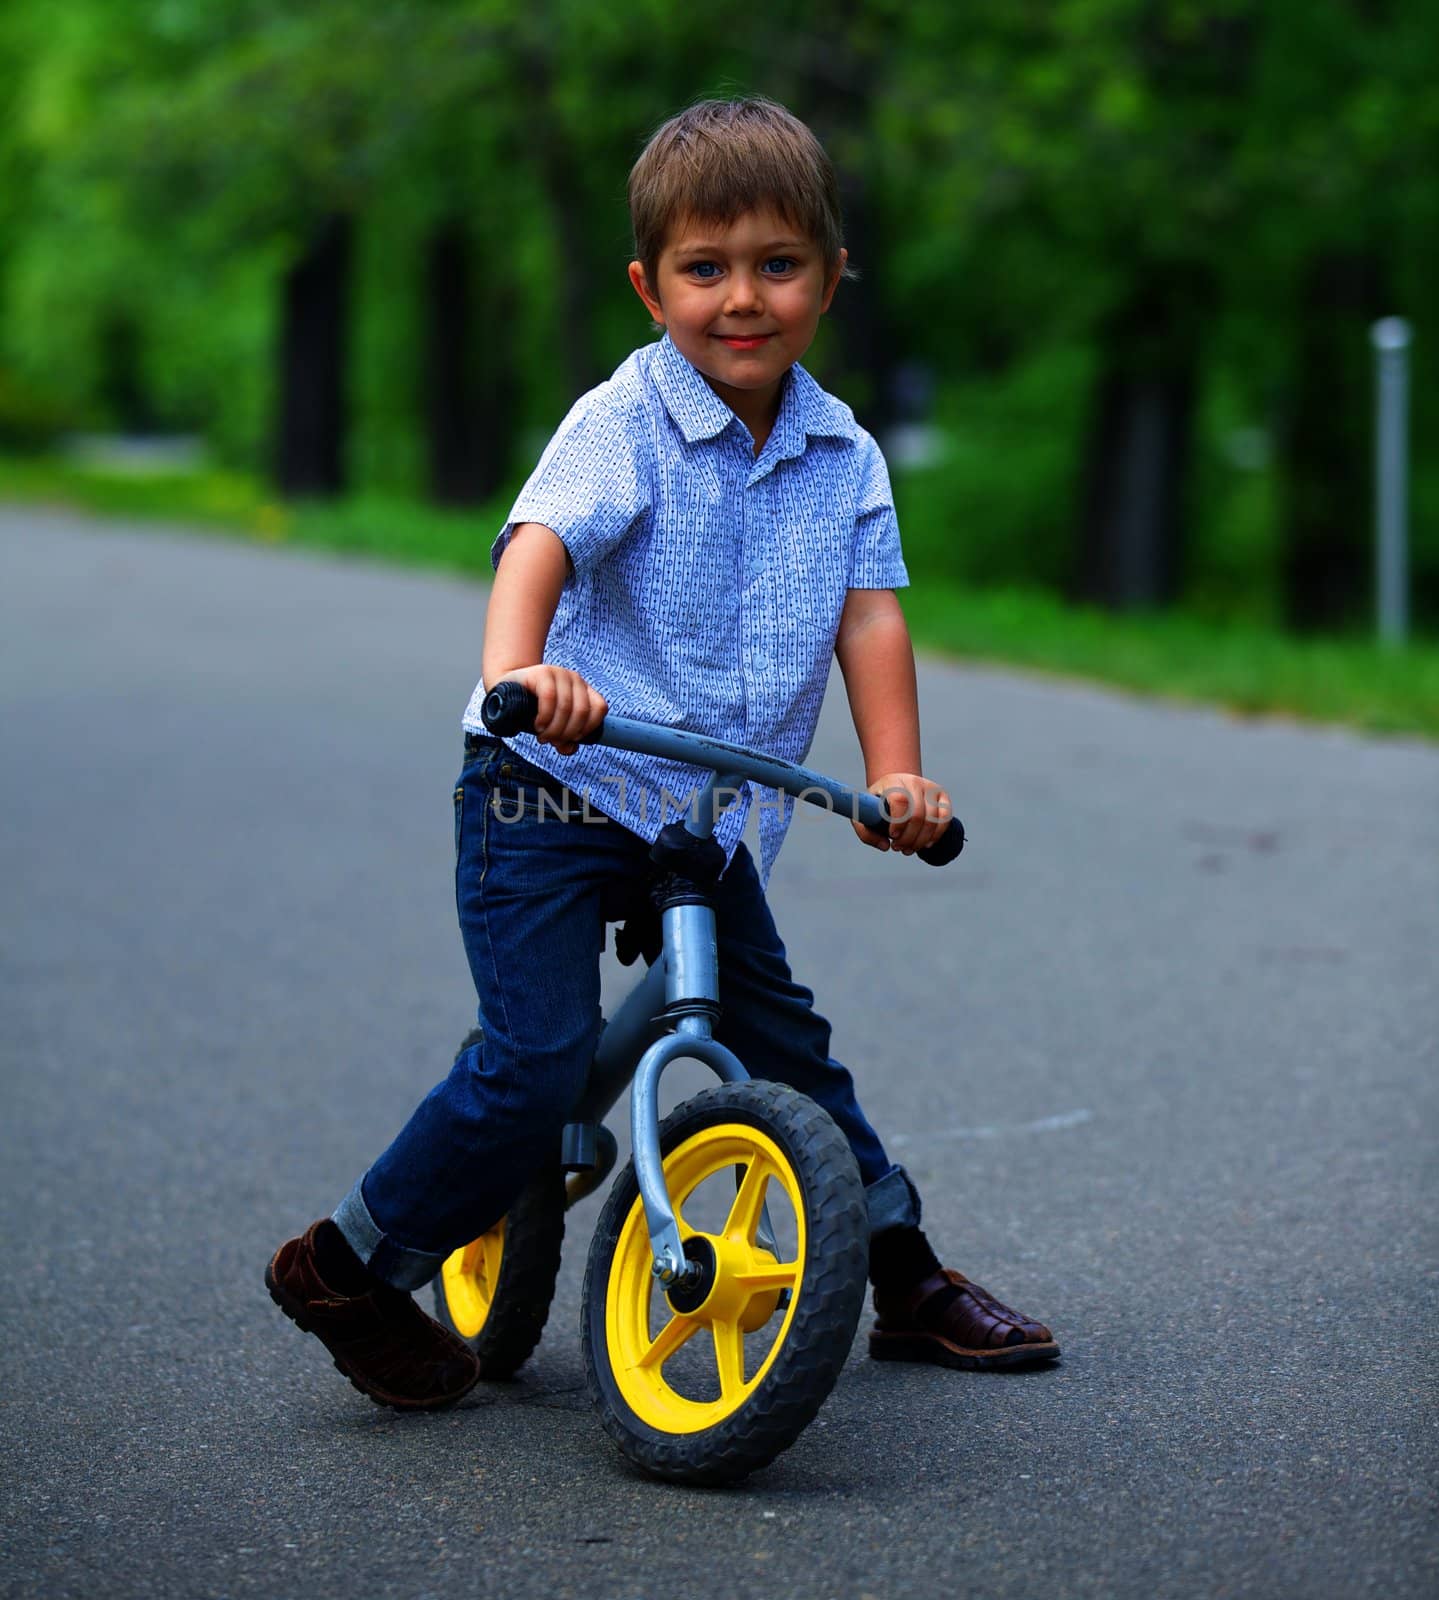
814	411
805	409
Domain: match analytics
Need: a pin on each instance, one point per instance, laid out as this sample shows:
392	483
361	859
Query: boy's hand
919	813
569	707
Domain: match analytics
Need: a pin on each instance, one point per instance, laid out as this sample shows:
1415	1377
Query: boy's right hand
569	707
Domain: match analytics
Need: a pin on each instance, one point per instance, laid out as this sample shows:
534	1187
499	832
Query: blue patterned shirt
708	583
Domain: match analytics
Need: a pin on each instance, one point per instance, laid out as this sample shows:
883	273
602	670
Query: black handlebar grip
510	708
946	847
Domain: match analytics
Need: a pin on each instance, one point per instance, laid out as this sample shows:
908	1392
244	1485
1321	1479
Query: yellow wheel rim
748	1283
470	1277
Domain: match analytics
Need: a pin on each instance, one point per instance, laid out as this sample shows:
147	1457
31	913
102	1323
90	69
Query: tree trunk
863	353
310	446
122	388
577	263
455	451
834	87
577	269
1131	542
1327	515
469	381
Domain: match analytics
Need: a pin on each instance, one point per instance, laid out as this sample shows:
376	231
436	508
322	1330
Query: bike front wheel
707	1381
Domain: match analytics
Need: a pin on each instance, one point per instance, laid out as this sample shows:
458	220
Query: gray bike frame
684	982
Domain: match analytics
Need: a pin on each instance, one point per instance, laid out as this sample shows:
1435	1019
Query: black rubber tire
529	1265
830	1300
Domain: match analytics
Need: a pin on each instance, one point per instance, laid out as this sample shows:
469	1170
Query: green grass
387	529
1251	670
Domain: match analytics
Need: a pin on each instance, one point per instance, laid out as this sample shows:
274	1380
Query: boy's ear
642	289
833	283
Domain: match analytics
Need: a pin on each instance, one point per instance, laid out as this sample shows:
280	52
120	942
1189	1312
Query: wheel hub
690	1293
720	1291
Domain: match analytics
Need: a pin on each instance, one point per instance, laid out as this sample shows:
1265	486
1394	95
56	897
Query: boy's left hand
920	811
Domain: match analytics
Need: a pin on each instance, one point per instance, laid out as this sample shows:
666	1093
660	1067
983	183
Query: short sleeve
875	560
591	484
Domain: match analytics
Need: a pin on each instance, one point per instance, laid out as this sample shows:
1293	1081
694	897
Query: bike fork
692	999
691	864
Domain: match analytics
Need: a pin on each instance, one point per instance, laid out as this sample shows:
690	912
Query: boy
705	531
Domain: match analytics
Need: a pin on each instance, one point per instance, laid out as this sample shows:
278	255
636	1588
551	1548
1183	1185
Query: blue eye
782	263
704	269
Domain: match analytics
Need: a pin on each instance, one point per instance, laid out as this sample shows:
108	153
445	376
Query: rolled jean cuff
893	1202
395	1264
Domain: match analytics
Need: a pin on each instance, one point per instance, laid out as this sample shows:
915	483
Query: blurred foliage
987	510
1019	178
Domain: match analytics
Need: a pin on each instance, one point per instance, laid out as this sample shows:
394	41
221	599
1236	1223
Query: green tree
1142	175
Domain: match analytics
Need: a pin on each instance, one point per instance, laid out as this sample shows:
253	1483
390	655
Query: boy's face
740	303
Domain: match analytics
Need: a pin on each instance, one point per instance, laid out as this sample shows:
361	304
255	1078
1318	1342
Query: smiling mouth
747	341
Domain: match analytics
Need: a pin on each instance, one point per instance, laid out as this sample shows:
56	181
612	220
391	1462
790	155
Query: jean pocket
512	802
520	791
459	818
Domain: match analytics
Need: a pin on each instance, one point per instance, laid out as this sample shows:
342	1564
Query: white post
1391	338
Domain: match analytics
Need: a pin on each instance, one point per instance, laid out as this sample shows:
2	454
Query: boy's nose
743	293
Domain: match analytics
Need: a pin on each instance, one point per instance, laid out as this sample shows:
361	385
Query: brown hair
718	159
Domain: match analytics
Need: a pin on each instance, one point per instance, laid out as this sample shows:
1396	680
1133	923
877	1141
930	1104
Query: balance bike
727	1271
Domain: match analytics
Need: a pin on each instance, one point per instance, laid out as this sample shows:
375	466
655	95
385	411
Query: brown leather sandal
949	1320
382	1342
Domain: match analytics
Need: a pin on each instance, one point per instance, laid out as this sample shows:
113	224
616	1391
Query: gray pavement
1160	1051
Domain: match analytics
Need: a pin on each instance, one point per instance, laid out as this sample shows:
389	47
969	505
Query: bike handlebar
511	708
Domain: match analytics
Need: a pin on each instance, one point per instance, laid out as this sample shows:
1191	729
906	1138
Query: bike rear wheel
495	1292
706	1382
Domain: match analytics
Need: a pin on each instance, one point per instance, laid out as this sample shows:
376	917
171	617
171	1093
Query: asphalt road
1160	1052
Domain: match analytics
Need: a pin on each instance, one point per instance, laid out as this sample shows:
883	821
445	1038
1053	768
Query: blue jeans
534	891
